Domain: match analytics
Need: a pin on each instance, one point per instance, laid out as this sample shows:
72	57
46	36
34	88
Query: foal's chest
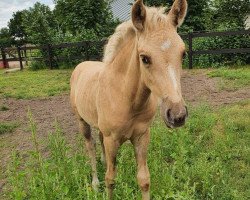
123	124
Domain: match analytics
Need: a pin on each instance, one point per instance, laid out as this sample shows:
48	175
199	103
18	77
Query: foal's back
84	89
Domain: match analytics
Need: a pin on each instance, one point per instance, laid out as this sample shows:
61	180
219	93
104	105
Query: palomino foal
119	96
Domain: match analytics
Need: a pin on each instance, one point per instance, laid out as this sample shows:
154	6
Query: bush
37	65
228	42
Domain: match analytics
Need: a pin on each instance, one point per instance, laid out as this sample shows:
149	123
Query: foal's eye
145	59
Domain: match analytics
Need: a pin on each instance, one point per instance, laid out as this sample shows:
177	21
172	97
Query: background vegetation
78	20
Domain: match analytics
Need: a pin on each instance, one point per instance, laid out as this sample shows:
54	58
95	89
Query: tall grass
207	159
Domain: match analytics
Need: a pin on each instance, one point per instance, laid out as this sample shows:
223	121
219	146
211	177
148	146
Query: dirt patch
45	112
196	87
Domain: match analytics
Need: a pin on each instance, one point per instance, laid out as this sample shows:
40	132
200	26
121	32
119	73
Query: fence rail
22	51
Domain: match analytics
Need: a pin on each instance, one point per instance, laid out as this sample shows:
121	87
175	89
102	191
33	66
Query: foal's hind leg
90	146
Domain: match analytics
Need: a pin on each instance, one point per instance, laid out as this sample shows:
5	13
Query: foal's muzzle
175	115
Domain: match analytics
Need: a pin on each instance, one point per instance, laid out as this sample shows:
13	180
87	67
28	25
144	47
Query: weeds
7	127
207	159
4	108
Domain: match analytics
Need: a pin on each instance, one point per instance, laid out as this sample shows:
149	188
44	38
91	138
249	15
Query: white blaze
172	76
166	45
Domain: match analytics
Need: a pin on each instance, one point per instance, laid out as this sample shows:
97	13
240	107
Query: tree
16	28
39	24
77	16
5	38
196	15
229	14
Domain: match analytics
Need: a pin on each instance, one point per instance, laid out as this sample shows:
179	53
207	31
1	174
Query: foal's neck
127	63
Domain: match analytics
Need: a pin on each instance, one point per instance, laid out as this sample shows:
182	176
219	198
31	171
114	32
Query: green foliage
16	27
76	16
29	84
196	15
39	24
78	20
228	14
227	42
5	38
37	65
196	162
7	127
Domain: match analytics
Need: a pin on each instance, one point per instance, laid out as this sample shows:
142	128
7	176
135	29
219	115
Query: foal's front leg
140	143
111	149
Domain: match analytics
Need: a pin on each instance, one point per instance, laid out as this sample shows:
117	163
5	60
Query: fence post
20	57
190	52
49	48
25	55
87	47
5	65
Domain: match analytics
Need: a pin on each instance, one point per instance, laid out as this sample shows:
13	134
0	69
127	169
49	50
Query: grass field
232	79
208	159
29	84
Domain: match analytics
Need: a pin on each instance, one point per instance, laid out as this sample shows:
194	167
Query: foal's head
161	51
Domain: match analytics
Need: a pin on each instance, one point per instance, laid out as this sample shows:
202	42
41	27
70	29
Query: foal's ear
178	12
139	15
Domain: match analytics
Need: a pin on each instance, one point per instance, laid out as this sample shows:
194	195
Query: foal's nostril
180	120
168	114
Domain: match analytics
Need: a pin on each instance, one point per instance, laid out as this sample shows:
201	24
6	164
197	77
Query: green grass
207	159
29	84
7	127
232	79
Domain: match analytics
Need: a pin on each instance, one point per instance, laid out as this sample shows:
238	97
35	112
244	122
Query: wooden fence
21	52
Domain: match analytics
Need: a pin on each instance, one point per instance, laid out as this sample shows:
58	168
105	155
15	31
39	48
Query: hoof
95	184
103	160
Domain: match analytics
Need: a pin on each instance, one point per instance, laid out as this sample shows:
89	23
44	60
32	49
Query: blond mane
126	30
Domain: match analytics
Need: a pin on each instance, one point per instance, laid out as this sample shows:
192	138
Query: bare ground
197	87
